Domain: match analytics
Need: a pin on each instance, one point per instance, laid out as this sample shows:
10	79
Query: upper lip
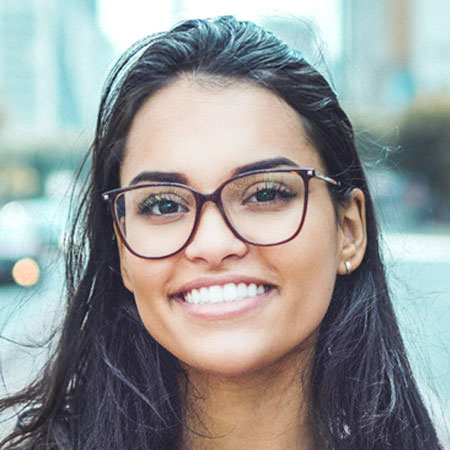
219	281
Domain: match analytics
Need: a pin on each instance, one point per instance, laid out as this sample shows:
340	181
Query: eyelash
145	207
279	189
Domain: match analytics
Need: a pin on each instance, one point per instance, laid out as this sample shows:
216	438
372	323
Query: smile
230	292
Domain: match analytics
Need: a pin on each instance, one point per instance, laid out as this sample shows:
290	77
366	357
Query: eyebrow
176	177
171	177
265	164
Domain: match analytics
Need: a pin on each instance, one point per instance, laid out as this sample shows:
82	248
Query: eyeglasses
261	207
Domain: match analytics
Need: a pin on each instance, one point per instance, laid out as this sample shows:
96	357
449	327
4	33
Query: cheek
148	281
312	257
308	266
145	275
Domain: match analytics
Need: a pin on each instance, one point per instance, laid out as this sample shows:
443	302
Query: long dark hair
110	384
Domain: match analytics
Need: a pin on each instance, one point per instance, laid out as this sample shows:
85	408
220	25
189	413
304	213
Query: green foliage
424	139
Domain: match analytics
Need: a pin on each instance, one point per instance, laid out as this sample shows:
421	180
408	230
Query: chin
226	369
232	365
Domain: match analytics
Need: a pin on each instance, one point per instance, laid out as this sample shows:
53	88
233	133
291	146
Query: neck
267	409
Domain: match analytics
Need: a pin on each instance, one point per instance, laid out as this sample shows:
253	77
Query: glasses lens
156	220
265	208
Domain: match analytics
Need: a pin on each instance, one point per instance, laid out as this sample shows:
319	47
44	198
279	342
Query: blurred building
52	65
394	50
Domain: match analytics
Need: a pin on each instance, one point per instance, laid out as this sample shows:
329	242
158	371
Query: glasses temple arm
327	179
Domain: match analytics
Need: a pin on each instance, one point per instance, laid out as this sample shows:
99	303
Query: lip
215	311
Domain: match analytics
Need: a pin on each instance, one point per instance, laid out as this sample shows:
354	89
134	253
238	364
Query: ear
352	233
123	260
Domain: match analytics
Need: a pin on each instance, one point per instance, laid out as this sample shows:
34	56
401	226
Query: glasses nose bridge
216	198
213	197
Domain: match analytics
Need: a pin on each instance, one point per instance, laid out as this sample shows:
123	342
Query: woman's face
204	133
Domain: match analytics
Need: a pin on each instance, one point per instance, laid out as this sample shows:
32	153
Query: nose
213	241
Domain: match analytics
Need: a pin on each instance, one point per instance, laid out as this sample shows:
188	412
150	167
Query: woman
225	286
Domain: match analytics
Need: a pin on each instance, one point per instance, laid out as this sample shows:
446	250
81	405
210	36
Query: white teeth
215	294
229	292
204	295
242	291
195	296
221	294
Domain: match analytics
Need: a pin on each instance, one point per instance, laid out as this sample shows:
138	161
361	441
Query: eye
269	192
161	204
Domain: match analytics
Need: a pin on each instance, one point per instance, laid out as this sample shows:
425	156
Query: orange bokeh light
26	272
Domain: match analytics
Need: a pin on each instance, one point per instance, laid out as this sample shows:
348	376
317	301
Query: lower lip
225	310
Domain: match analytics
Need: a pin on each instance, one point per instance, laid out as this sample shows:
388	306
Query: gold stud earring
348	267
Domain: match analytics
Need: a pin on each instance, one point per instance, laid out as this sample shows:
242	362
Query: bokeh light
26	272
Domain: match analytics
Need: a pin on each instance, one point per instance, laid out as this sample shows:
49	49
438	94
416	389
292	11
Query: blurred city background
389	61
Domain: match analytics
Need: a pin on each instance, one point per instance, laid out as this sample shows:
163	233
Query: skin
241	368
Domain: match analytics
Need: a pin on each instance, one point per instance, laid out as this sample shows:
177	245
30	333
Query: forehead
205	129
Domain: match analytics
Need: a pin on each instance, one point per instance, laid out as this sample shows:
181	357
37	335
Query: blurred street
27	316
418	267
